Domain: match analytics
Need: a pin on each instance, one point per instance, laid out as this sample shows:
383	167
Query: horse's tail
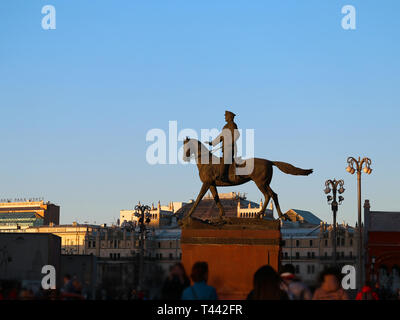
289	169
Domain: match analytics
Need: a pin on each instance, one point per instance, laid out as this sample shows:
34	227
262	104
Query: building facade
310	249
25	214
382	248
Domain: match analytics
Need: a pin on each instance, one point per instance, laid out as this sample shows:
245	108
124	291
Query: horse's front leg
202	192
214	192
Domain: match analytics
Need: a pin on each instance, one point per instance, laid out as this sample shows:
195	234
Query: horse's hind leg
267	197
214	192
275	198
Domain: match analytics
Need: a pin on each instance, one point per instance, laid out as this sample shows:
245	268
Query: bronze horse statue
209	175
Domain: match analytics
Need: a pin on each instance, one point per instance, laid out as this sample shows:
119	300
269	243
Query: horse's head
187	149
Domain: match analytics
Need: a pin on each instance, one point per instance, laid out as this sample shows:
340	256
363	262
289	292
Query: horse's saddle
238	163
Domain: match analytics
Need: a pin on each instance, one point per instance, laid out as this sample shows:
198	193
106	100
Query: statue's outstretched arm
217	140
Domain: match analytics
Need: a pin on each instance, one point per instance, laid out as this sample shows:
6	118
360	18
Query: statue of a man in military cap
228	137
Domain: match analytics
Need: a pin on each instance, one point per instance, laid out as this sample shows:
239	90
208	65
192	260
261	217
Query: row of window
310	269
248	214
116	244
170	256
339	242
115	256
311	255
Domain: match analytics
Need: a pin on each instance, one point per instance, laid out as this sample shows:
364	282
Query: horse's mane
203	149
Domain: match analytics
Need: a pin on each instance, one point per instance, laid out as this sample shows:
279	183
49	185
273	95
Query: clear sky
76	102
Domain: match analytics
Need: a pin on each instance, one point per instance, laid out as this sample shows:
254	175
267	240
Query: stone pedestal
233	252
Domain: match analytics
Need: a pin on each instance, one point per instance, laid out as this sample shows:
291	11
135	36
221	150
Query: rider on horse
228	137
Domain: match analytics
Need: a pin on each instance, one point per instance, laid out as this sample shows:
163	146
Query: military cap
231	114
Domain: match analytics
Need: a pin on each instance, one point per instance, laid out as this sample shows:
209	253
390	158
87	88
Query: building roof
307	216
167	234
300	232
384	221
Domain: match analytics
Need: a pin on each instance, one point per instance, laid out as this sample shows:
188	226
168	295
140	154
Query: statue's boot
224	176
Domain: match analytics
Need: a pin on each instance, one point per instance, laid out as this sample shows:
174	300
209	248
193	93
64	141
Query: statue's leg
214	192
275	198
202	192
267	197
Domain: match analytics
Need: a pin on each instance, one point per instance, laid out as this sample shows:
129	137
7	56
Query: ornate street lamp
358	166
143	213
332	186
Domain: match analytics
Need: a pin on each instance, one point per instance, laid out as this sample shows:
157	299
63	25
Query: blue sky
76	102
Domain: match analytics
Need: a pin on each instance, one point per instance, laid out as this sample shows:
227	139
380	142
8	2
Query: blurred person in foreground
330	288
176	282
199	290
294	288
71	289
267	285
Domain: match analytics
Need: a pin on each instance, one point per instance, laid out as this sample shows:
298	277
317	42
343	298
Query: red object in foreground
366	293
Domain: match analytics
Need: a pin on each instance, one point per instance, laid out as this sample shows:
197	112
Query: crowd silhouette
268	284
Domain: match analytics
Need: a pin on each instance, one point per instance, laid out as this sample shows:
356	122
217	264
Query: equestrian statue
223	172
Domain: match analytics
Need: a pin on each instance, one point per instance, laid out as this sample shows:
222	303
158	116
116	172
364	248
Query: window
297	269
312	255
283	243
286	255
312	269
326	243
311	243
171	256
94	244
89	244
308	269
308	254
351	254
297	255
351	242
342	241
159	244
297	243
170	244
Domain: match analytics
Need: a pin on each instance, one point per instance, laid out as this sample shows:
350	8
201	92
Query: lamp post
332	186
358	166
143	213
